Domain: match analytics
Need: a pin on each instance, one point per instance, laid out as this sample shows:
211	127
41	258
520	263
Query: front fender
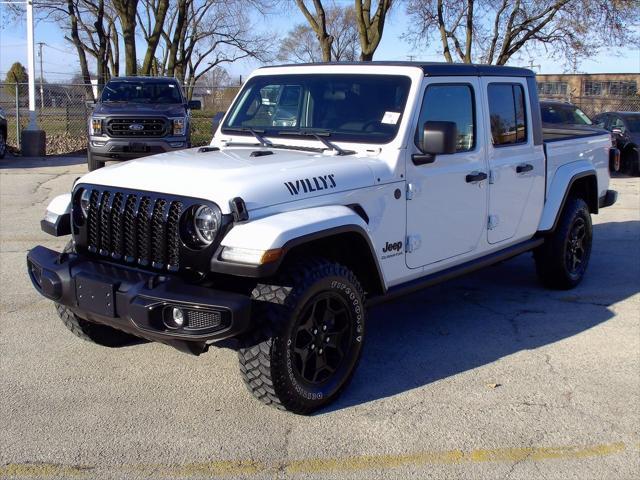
57	218
560	186
285	231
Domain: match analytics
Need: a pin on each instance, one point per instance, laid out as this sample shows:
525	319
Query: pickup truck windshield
356	108
142	92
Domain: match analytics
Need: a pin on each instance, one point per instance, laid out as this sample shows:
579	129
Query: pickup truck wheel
92	332
562	260
309	330
93	163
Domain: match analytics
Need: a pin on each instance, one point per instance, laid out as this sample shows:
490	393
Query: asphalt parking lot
488	376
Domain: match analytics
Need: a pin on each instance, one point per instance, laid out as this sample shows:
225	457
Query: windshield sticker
313	184
390	118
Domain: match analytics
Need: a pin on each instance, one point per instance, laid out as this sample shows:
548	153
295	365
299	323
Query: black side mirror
215	121
437	138
194	105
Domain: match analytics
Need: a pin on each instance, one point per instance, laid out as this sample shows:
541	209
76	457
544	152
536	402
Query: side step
453	272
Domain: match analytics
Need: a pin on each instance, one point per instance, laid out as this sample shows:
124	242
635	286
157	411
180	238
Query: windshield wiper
256	133
318	135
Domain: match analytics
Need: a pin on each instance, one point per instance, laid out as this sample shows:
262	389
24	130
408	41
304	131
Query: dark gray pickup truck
138	116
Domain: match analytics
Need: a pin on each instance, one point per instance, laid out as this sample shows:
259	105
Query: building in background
593	92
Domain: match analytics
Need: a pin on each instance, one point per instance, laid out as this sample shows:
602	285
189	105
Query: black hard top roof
436	68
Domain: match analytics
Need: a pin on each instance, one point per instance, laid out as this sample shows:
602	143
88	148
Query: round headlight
206	222
85	200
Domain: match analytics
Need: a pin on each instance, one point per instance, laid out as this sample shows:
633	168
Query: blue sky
60	60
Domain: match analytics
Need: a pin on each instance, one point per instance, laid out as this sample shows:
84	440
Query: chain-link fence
593	105
62	112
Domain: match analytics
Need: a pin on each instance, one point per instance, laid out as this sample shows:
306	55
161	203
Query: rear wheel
308	337
562	260
93	163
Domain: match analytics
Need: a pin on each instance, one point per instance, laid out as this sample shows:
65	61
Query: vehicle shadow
475	320
42	162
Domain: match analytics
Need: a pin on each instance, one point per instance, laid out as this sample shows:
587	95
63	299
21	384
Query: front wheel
92	163
309	331
562	260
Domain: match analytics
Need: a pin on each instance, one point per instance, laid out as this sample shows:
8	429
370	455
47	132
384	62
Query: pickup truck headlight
178	126
201	225
96	126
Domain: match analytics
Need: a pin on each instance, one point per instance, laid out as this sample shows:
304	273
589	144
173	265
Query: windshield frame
304	132
143	83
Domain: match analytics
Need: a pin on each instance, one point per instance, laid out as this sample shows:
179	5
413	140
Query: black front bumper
608	199
138	302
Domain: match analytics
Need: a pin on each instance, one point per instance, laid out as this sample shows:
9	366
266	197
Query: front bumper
106	148
139	302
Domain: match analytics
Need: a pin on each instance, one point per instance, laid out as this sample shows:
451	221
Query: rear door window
507	114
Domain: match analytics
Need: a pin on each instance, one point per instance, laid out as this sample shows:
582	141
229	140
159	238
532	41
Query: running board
453	272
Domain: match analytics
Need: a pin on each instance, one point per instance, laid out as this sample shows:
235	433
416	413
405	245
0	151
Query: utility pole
532	66
40	45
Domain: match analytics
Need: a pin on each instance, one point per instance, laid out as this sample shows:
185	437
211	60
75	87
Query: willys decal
313	184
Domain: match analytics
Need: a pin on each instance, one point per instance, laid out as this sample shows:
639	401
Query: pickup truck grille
137	127
136	228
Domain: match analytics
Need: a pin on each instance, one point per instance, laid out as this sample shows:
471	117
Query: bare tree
301	44
370	28
493	31
318	23
127	10
155	13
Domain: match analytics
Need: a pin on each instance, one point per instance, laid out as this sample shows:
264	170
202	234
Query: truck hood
219	176
129	108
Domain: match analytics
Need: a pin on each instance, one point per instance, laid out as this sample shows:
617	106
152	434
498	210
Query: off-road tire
555	257
92	163
268	355
92	332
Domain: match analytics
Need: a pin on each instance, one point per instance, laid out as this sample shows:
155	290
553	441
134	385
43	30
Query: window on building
552	88
614	88
450	103
507	113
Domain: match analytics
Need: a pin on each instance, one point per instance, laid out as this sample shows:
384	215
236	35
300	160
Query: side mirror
437	138
617	131
90	104
194	105
215	121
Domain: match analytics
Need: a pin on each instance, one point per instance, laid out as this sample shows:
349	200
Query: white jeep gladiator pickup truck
326	189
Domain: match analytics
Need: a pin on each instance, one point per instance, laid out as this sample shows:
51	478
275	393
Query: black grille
142	127
137	228
197	320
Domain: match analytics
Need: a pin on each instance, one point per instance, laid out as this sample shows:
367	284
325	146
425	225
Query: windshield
633	122
567	114
142	92
357	108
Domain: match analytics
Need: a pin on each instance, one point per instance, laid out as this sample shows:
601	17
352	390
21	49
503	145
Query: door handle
525	167
476	177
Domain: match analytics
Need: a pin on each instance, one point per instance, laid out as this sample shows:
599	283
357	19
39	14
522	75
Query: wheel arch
334	232
576	182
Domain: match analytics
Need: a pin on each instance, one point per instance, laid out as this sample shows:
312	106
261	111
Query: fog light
173	317
178	317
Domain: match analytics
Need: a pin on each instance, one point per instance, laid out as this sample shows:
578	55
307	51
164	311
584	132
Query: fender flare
286	231
563	180
57	218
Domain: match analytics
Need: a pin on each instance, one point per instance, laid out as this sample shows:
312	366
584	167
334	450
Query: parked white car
327	188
